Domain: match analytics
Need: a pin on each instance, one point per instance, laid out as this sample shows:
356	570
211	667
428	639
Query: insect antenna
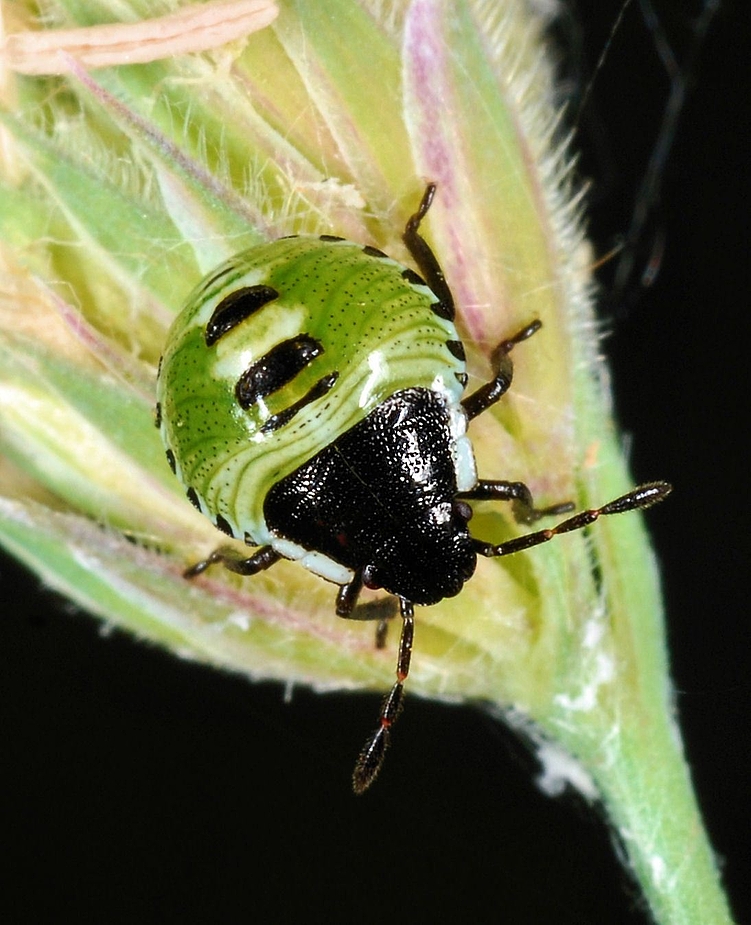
371	756
640	498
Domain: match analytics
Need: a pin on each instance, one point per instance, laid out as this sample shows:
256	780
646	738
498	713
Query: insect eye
463	510
370	577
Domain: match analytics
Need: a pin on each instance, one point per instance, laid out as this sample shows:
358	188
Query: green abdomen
346	329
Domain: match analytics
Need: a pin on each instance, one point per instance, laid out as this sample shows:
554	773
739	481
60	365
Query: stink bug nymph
310	400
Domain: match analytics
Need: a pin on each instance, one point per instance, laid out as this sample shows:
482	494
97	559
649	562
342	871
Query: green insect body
369	329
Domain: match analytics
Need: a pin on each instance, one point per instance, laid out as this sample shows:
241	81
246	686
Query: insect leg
426	260
642	497
346	599
381	610
231	559
503	368
371	757
522	505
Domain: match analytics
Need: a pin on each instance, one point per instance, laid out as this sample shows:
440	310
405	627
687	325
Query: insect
310	399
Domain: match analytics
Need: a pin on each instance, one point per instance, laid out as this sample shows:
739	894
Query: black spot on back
456	348
236	307
276	368
223	525
411	277
318	391
373	251
443	310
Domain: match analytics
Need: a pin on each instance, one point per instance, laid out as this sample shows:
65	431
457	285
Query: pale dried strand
194	28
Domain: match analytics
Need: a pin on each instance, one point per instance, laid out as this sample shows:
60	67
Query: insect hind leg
232	560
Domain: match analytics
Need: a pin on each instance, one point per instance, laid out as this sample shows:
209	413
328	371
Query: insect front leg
488	394
522	505
382	610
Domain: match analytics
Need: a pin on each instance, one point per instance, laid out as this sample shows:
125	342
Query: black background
140	788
